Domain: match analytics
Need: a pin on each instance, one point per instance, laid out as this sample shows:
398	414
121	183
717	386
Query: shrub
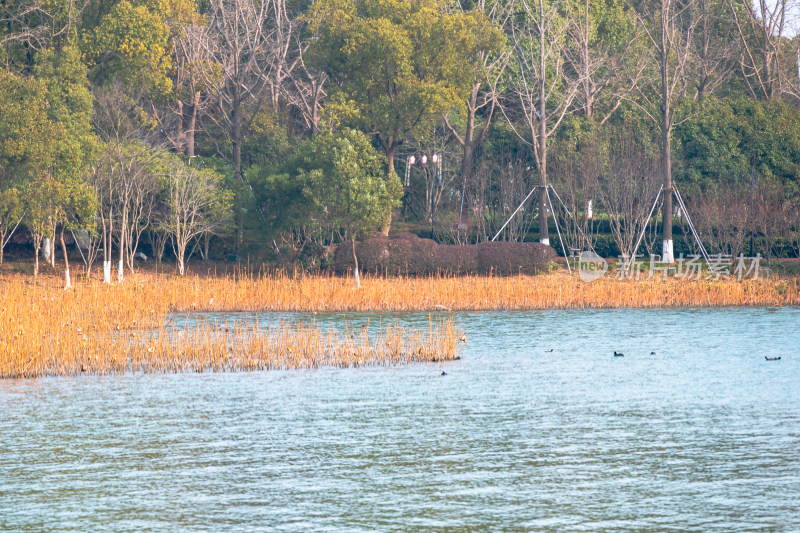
407	254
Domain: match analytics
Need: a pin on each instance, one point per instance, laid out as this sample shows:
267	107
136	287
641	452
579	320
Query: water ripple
702	436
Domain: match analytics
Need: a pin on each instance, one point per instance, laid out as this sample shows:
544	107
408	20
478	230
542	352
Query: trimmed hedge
406	253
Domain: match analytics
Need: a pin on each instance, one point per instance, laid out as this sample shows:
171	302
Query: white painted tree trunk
589	209
46	249
667	254
67	280
120	272
107	272
545	241
355	262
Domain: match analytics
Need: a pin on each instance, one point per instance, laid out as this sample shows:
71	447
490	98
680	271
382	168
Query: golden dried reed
100	330
281	292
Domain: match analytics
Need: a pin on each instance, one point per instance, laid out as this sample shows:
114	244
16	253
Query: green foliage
47	142
336	187
397	65
69	107
345	183
131	43
27	135
730	141
40	206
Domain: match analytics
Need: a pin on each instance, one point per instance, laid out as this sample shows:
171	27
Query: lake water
702	436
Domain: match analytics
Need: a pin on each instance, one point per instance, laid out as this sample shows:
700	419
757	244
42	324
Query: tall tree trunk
355	262
108	232
236	138
390	150
67	280
667	253
544	237
45	250
469	135
121	267
192	126
181	255
37	245
206	244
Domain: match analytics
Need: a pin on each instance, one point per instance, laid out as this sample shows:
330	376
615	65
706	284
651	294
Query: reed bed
282	292
96	329
99	328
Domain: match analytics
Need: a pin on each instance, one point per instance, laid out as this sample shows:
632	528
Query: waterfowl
772	358
620	354
652	353
444	373
548	351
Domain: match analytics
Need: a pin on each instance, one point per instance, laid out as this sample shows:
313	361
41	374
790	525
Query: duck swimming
772	358
620	354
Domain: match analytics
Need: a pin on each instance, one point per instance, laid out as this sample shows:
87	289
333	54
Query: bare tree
723	228
125	179
250	42
670	29
194	70
100	179
608	70
33	25
761	28
577	168
197	204
627	188
500	187
542	90
713	57
305	91
489	65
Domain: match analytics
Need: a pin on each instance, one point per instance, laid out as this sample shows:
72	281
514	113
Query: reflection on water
704	435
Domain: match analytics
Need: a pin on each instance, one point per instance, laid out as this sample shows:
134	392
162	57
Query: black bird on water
772	358
548	351
652	353
618	354
444	373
